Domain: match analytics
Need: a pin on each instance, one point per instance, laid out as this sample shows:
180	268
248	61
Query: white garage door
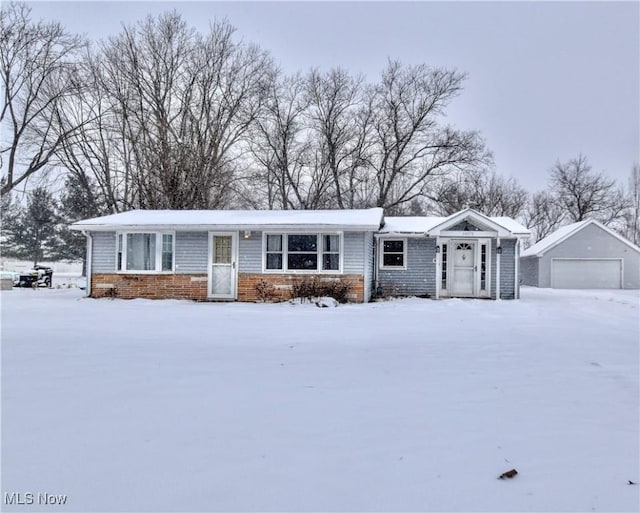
586	274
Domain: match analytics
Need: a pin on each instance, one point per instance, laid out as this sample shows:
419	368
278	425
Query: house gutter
374	292
498	268
516	281
89	260
299	228
438	266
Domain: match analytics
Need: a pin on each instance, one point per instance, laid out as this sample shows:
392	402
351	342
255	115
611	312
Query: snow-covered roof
511	224
417	225
425	224
563	233
365	219
551	240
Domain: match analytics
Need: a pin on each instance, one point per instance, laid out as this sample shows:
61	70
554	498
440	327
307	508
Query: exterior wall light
499	250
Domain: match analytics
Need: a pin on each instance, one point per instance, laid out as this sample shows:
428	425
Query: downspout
516	281
374	292
438	266
498	250
89	262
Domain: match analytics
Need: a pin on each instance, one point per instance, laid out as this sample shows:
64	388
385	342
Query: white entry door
464	269
222	272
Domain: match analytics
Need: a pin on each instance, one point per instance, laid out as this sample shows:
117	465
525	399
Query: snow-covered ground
406	405
20	266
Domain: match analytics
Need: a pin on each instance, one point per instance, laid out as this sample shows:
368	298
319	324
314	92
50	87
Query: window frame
319	252
381	253
266	252
159	235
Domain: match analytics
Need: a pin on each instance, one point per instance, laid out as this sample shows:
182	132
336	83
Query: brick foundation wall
194	286
282	285
152	286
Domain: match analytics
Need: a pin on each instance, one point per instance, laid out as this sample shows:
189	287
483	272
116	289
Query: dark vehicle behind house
39	276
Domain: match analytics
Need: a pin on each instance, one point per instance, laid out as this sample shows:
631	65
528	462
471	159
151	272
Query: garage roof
563	233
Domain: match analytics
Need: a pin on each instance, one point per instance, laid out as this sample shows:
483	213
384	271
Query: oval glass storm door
464	266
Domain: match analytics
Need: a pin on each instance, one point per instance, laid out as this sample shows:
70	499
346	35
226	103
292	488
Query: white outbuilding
583	255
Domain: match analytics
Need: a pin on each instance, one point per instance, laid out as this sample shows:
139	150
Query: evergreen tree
9	212
79	201
29	232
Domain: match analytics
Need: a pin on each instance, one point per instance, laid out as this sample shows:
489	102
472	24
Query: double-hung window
302	252
393	253
274	251
330	252
145	252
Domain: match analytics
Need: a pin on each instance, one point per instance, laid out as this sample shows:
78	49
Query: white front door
222	271
464	268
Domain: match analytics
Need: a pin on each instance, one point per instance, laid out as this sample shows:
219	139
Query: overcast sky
546	80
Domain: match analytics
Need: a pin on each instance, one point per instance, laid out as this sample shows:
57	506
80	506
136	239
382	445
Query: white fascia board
224	227
471	215
379	235
472	235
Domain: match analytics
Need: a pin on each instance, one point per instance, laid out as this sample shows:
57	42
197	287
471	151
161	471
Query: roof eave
222	227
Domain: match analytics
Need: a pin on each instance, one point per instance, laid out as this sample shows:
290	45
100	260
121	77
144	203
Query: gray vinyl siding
593	242
250	251
368	265
419	276
507	269
354	253
192	252
529	271
103	257
494	266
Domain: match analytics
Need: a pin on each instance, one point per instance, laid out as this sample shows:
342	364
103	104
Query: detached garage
584	255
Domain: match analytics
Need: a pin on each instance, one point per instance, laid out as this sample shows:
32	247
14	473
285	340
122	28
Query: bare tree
170	110
410	146
482	190
340	123
632	214
99	150
279	144
37	64
543	215
584	194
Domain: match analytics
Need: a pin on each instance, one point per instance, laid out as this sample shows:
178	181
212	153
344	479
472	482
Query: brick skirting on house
194	286
151	286
283	284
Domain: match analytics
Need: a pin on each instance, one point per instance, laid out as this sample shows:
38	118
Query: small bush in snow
313	287
265	290
387	292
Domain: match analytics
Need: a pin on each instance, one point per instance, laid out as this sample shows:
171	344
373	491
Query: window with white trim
145	252
393	253
274	251
302	252
330	252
